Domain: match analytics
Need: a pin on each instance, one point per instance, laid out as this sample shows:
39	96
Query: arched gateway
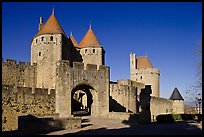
84	100
81	89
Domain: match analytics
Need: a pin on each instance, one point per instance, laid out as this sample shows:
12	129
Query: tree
199	66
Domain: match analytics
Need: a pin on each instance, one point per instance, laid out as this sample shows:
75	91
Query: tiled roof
89	40
52	26
176	95
143	62
74	42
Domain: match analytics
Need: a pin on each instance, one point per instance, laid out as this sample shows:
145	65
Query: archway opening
81	100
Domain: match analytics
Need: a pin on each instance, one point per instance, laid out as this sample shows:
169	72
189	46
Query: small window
39	54
93	50
141	77
36	40
42	38
85	50
51	38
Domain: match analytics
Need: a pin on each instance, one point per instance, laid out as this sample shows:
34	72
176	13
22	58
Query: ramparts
21	74
21	101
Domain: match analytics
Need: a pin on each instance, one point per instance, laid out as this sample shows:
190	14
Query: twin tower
51	44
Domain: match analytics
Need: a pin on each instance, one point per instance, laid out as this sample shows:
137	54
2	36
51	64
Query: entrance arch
83	100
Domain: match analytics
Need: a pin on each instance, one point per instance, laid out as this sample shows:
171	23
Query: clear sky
167	32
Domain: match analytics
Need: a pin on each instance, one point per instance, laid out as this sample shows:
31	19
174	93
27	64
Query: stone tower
178	101
91	50
48	46
141	70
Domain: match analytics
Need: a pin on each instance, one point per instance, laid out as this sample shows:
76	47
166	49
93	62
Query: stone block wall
21	74
160	106
69	77
124	96
21	101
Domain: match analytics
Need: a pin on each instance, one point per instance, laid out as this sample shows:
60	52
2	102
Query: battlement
8	89
82	66
14	62
127	82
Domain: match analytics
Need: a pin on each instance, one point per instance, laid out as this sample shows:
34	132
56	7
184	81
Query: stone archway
83	100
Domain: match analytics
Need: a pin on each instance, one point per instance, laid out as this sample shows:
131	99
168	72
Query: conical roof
89	40
143	62
74	42
52	26
176	95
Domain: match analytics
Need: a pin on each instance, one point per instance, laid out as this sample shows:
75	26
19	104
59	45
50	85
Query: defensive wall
21	101
21	74
76	76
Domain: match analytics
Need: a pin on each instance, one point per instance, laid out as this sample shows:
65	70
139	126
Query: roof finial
53	11
70	33
90	24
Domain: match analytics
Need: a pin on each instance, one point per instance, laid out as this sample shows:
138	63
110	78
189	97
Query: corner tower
47	47
141	70
178	102
91	50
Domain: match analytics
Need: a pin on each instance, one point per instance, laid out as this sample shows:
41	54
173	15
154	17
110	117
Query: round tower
91	50
178	102
47	47
141	70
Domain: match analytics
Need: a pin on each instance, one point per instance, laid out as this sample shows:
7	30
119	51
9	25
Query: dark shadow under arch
76	101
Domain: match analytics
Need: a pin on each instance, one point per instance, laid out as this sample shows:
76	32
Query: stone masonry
65	77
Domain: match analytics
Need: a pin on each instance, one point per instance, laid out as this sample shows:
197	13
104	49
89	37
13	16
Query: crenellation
78	65
24	63
104	68
60	73
63	62
10	61
91	67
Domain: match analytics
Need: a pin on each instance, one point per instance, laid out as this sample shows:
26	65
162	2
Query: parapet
78	65
14	62
63	62
102	67
28	90
91	67
10	61
82	66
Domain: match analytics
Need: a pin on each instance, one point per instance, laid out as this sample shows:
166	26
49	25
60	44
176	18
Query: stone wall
70	77
21	74
123	96
160	106
21	101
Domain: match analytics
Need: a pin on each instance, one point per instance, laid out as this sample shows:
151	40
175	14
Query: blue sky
167	32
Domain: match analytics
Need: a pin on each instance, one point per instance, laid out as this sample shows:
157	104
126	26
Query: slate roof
52	26
176	95
89	40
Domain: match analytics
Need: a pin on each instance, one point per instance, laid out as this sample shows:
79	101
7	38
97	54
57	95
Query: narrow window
36	40
42	38
141	77
93	50
85	50
39	54
51	38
